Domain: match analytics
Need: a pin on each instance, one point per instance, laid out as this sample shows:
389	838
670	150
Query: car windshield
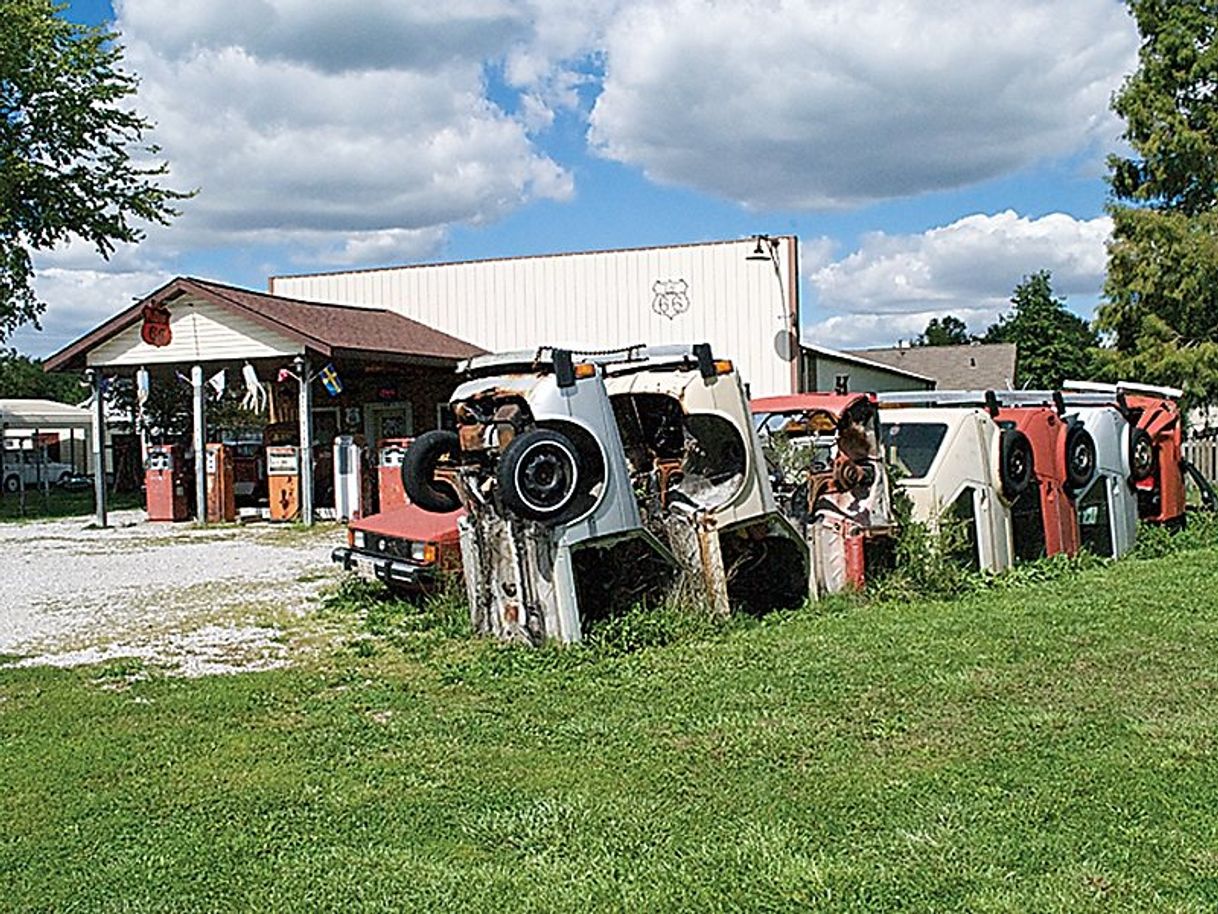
912	446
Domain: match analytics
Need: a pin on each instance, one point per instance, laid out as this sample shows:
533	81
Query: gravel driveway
192	600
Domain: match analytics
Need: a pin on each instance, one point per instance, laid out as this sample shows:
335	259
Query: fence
1203	454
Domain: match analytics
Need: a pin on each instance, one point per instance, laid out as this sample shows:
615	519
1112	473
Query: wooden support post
304	371
99	446
199	441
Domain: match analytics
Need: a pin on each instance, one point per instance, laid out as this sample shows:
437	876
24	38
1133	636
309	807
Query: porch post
99	445
199	441
306	439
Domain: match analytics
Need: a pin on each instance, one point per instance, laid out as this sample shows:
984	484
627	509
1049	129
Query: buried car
960	470
699	474
1046	445
1156	443
828	472
405	547
552	528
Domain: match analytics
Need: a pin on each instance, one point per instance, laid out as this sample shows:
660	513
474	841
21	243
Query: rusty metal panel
711	291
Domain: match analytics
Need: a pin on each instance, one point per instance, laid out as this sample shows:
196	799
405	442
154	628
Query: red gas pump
165	489
390	452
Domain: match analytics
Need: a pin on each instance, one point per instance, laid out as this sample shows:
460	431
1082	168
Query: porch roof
210	322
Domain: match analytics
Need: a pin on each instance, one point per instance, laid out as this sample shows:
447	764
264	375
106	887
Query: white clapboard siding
593	300
202	331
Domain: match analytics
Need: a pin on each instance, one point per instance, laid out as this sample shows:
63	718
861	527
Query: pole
303	370
199	439
99	446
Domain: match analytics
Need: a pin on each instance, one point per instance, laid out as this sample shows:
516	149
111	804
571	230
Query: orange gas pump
283	481
164	488
221	490
389	454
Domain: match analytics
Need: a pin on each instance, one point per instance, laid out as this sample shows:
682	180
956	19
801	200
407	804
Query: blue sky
927	159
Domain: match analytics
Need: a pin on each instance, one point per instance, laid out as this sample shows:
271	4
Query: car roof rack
1127	387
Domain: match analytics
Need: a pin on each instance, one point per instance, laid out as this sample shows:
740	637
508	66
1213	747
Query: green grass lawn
1050	747
59	503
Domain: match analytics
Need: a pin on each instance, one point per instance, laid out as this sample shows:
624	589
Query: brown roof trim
236	300
461	263
67	358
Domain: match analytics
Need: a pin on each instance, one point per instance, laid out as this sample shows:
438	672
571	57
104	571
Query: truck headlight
423	553
357	539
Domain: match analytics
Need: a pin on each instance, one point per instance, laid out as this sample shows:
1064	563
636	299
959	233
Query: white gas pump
348	478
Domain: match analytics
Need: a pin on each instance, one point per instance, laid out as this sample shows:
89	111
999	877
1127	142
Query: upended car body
700	476
827	469
405	547
1108	506
960	470
1157	464
552	530
1045	518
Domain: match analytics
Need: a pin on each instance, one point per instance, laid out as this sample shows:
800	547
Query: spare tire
1141	454
419	471
538	476
1015	464
1080	458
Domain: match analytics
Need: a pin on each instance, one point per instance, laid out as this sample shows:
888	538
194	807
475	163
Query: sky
927	155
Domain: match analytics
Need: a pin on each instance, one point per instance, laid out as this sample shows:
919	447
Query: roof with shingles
971	366
324	328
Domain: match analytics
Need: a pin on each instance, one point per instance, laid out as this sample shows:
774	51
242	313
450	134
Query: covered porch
198	363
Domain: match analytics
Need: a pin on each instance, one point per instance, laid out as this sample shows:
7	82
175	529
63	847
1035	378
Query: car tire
538	476
12	484
1080	458
419	471
1015	463
1142	455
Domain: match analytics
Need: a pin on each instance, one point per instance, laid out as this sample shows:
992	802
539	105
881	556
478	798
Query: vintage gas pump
221	490
352	492
389	472
164	487
283	481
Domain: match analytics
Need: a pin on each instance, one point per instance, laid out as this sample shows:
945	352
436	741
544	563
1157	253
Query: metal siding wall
593	301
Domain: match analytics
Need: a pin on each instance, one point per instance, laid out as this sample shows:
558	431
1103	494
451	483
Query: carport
380	374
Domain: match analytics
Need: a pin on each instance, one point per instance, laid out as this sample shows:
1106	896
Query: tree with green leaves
23	378
1161	294
948	331
1051	343
73	159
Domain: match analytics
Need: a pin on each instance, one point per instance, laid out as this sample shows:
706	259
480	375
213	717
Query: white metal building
741	296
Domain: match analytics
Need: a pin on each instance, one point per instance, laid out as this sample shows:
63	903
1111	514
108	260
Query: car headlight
418	552
357	539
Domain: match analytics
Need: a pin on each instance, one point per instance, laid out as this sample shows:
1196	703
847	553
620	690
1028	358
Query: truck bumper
394	572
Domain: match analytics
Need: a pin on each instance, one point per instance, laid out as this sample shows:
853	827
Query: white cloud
349	119
80	299
893	284
783	103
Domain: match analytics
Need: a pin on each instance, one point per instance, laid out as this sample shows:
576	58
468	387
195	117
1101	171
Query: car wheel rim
1143	456
1081	461
544	477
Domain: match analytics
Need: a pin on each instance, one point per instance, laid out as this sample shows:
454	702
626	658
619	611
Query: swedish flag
330	380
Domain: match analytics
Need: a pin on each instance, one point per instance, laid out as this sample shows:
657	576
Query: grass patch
60	503
1047	745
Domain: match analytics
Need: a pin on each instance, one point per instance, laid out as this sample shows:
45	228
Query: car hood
411	522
